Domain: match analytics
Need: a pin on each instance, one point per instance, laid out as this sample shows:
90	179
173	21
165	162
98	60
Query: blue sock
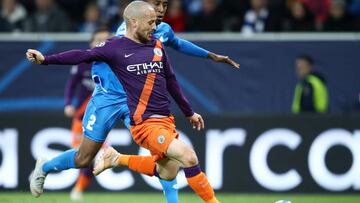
62	162
170	190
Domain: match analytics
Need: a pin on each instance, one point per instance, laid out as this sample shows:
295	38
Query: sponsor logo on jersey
145	68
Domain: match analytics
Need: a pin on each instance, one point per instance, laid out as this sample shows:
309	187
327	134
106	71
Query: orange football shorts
155	134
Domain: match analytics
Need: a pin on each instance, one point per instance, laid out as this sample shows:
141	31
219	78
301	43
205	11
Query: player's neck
134	38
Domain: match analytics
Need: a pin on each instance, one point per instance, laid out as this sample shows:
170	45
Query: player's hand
197	121
223	59
69	111
35	56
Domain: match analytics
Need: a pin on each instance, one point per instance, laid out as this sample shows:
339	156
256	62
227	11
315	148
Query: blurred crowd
246	16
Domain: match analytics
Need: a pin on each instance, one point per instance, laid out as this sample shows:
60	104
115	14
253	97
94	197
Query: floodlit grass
51	197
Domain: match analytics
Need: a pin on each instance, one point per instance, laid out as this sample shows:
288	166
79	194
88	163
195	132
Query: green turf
184	198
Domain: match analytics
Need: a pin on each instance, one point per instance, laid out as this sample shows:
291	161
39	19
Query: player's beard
143	37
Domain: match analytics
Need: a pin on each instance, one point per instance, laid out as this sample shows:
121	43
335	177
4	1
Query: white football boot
106	160
38	178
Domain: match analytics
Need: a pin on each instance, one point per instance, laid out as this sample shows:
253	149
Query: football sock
146	165
123	160
141	164
199	183
195	177
170	190
84	179
64	161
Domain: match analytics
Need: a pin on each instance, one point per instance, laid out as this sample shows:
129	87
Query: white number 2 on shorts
91	122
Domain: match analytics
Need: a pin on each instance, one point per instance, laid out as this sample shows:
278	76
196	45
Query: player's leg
170	188
69	159
111	159
196	179
144	165
88	148
98	120
176	150
168	169
76	137
160	137
72	158
85	174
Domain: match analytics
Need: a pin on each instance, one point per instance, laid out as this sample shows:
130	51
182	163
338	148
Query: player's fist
69	111
197	121
35	56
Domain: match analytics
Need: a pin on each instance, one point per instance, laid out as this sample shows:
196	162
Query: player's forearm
190	48
179	97
211	56
71	57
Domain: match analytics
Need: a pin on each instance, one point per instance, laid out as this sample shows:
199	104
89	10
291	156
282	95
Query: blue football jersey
105	78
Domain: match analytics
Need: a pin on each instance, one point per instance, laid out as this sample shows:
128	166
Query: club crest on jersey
158	51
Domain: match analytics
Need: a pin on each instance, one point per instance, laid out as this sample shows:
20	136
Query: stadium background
252	143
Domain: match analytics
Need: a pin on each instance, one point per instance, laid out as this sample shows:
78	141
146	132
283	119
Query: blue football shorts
102	113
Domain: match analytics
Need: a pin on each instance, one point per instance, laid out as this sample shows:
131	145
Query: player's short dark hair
100	29
307	58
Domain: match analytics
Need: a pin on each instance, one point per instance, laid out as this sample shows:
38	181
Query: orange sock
82	182
123	160
141	164
201	186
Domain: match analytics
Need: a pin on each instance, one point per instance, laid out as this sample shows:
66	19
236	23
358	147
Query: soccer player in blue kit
109	104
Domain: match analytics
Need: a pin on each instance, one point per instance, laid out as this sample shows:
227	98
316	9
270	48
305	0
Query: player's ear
134	23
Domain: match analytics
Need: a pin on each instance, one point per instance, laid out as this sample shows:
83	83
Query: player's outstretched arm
73	57
35	56
192	49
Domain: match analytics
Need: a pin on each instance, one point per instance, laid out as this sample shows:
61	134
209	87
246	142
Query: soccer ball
283	201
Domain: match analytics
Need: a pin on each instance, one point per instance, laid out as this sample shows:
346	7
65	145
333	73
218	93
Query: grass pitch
120	197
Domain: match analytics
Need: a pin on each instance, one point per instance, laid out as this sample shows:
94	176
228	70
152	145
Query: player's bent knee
169	173
168	176
190	158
